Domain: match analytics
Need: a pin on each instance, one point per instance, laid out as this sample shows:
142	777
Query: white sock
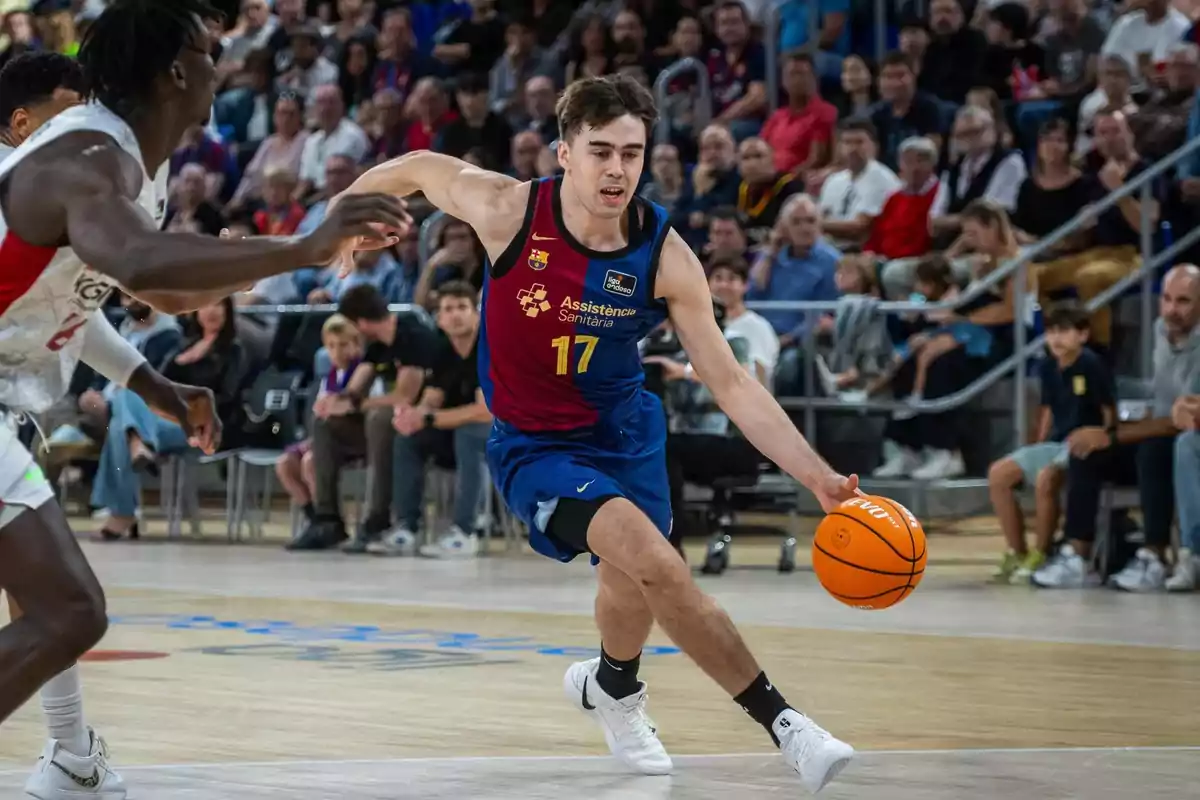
62	703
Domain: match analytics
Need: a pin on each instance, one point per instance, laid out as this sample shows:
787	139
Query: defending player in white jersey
86	189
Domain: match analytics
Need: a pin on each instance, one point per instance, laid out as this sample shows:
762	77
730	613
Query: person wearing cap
901	231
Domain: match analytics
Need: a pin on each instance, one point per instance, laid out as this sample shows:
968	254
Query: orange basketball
869	552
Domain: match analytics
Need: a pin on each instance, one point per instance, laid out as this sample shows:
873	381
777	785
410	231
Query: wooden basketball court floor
247	672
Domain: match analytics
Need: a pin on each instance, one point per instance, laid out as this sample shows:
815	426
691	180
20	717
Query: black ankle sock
310	512
617	678
763	702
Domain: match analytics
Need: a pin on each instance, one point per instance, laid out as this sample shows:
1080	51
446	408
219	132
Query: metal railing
1016	269
703	107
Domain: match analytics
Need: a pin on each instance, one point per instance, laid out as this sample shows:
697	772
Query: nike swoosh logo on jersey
538	238
586	704
584	487
86	783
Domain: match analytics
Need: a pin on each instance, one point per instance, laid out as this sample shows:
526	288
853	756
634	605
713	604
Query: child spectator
343	343
1077	390
281	214
862	349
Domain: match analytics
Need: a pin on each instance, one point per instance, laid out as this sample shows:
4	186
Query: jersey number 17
563	346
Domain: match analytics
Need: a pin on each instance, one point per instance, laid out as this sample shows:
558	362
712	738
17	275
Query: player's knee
80	622
661	570
1004	474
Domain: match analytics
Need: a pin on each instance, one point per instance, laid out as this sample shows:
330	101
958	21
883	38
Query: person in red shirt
429	110
281	214
801	132
902	228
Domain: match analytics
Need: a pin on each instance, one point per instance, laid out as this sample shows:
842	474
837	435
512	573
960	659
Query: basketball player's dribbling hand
836	489
200	421
357	222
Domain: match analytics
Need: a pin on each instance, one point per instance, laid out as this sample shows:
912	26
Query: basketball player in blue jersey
580	271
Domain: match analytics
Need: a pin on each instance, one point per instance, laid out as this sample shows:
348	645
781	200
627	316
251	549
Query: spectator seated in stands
282	150
1160	125
525	149
450	423
901	231
1077	390
243	112
859	92
737	72
1144	35
458	256
1186	416
220	169
862	347
210	356
335	134
1135	451
794	265
522	60
714	182
340	173
666	184
539	115
763	190
309	71
156	336
1053	194
1112	95
985	169
988	233
280	214
953	57
376	268
902	112
1072	42
801	133
702	445
190	210
1115	250
1012	64
853	197
355	423
477	126
344	348
726	239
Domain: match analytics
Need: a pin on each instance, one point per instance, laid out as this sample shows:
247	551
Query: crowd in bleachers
912	175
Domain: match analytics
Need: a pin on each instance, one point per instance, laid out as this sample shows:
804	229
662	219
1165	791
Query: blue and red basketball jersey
558	348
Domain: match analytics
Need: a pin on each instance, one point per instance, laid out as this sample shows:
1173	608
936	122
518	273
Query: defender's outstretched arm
681	282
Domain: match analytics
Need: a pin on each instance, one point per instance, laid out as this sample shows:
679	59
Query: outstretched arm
83	189
749	405
491	203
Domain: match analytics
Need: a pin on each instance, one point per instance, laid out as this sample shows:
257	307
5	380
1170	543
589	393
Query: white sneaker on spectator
941	465
1066	570
1183	579
628	729
62	775
454	543
811	750
853	396
898	461
826	376
396	542
1145	572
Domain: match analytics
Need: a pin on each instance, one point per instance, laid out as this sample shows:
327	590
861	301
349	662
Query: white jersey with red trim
47	294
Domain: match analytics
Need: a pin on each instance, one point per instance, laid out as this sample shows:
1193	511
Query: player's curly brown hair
595	102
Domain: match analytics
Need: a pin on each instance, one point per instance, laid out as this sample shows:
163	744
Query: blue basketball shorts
533	471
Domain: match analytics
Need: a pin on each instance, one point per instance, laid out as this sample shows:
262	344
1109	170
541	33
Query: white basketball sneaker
628	729
811	750
62	775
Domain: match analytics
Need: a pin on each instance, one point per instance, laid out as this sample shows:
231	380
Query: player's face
196	79
27	120
604	164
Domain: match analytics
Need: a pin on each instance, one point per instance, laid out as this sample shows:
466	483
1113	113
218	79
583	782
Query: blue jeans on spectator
1187	478
469	443
116	485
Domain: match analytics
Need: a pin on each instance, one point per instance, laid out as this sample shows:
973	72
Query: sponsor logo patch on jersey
620	283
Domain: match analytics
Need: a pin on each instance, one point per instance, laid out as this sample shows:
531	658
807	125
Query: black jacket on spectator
979	183
1112	229
485	38
951	65
999	61
207	219
924	117
223	370
494	138
415	345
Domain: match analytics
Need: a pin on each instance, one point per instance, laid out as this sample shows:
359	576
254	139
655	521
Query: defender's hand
357	222
195	410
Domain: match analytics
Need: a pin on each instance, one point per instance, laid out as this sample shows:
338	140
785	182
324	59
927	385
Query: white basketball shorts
22	484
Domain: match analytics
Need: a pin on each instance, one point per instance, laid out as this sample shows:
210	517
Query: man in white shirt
1144	36
336	135
852	198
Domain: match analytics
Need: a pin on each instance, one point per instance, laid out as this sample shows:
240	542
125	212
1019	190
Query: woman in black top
1053	193
210	356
